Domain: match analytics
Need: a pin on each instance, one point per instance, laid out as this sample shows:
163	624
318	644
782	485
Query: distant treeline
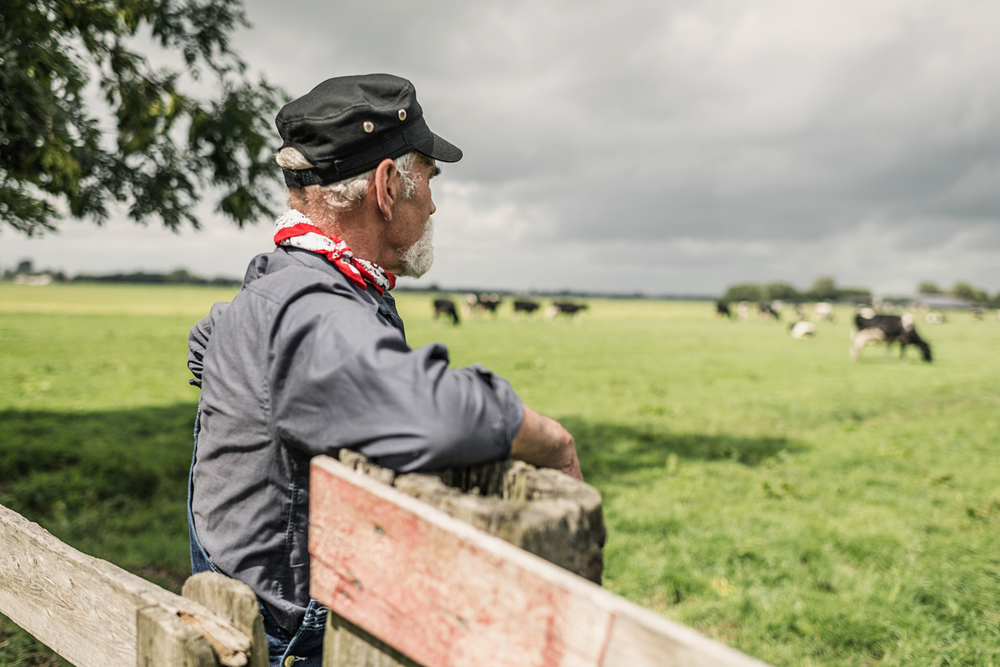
962	290
823	289
179	277
435	288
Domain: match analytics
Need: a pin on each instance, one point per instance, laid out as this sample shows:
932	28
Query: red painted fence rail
446	594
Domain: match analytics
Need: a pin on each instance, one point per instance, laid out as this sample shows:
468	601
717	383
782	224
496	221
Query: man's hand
544	443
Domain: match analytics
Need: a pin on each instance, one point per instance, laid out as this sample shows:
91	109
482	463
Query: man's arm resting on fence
543	442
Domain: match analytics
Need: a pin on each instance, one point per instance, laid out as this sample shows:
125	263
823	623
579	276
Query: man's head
359	145
347	125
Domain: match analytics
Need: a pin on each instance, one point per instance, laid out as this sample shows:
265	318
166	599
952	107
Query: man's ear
386	181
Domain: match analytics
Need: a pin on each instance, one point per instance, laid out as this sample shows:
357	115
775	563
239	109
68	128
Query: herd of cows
487	303
870	327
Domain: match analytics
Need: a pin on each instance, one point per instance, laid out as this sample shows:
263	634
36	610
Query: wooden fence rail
424	588
97	615
441	593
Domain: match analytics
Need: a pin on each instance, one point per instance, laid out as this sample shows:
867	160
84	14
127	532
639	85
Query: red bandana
296	230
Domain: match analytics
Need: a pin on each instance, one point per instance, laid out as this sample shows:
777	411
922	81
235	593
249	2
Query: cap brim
439	149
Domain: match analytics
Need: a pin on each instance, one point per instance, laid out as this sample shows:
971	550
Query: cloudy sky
658	147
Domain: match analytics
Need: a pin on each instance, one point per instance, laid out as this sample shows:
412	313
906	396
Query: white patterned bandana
296	230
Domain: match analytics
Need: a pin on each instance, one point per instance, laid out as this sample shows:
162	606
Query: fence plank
347	645
232	601
447	595
164	640
85	609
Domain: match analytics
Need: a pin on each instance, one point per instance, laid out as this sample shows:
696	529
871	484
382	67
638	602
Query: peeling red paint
553	652
607	639
419	580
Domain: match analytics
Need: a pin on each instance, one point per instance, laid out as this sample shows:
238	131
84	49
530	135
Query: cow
490	302
770	310
743	309
823	311
446	307
524	306
470	302
802	329
866	312
565	308
722	309
888	329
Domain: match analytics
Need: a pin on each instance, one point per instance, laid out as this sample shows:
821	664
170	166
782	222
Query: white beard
416	260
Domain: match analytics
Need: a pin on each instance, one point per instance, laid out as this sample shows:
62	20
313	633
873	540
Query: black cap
347	125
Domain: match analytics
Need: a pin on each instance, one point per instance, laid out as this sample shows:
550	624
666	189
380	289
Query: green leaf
168	149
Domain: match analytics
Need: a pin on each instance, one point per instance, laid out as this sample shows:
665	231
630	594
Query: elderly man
311	355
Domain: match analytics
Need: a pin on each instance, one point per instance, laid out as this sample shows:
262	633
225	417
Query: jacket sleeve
198	341
340	377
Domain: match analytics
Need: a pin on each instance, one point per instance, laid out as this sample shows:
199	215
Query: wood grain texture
234	602
164	640
446	594
85	609
542	511
347	645
360	462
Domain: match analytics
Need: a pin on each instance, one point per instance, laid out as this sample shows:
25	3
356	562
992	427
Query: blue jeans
305	647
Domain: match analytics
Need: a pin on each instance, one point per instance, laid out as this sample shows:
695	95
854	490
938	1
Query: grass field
804	509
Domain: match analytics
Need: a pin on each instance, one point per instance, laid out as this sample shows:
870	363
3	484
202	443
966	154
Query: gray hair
343	196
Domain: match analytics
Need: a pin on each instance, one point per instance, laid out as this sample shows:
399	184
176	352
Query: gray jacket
301	363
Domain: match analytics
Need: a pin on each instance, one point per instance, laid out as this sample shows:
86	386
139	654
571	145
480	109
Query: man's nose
433	208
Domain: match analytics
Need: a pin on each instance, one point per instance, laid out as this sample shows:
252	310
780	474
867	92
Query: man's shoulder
300	287
283	275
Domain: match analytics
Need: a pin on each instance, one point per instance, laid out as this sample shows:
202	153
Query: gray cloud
724	138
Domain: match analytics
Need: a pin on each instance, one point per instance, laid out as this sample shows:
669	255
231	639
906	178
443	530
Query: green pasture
767	491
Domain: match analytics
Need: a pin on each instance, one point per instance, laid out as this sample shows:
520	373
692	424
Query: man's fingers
543	442
573	468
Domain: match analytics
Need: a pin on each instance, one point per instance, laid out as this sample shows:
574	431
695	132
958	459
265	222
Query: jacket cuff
510	403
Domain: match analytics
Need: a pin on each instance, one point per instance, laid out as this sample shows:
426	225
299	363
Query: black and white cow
490	302
565	308
524	306
446	307
888	329
802	329
770	310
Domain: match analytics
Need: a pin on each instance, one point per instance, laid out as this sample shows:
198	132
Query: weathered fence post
232	601
164	640
95	614
347	645
542	511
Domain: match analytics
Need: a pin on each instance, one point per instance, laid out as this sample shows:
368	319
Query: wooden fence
97	615
442	593
424	588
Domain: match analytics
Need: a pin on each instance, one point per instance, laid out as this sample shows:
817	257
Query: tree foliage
743	292
823	289
780	292
166	147
929	287
963	290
